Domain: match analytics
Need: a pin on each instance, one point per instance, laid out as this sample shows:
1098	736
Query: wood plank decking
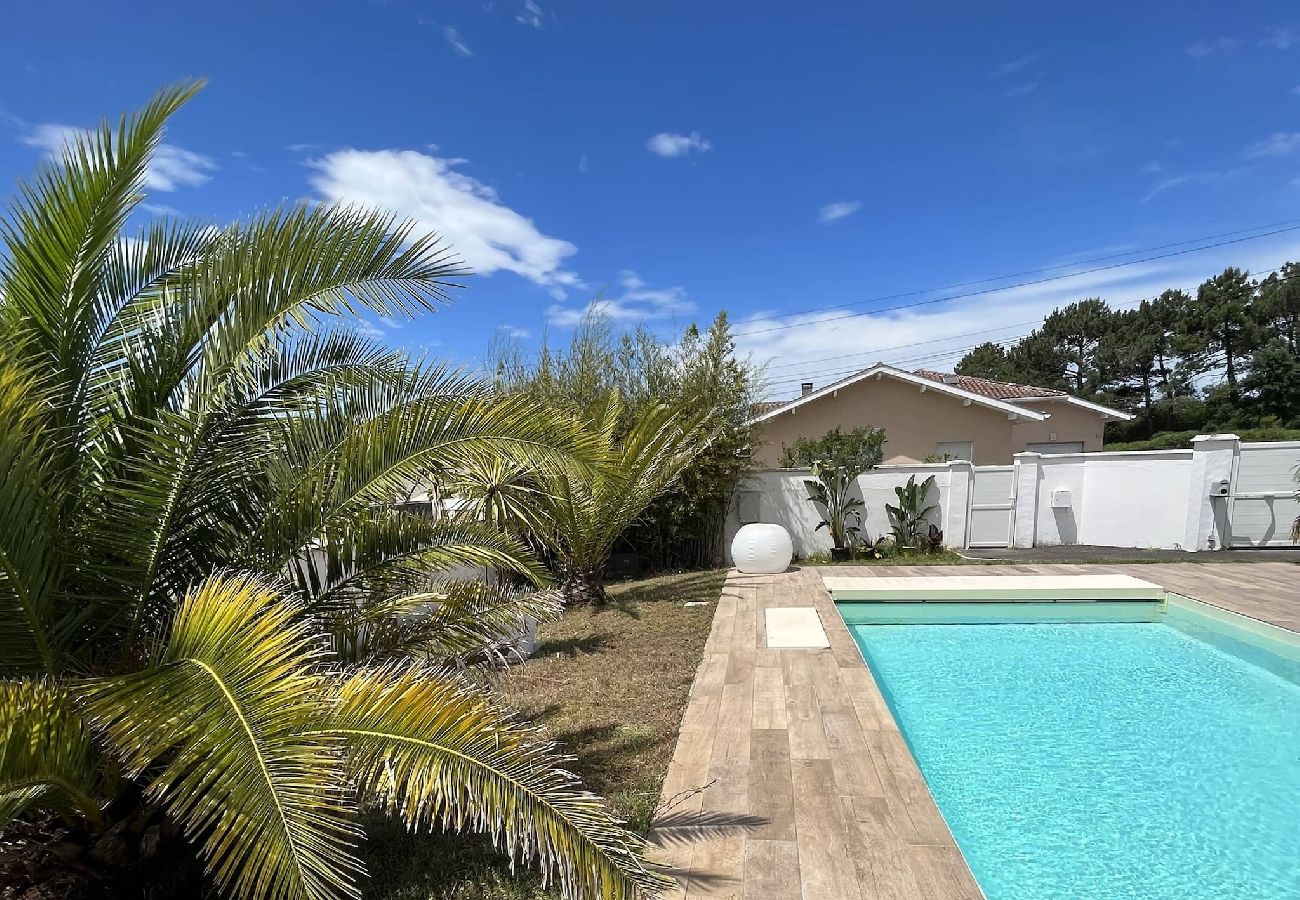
791	781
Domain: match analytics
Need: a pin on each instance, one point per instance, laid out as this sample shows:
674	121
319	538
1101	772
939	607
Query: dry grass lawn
610	684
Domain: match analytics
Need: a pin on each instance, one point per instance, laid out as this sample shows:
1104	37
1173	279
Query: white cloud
1279	143
833	212
486	233
1281	39
1189	178
1152	168
531	15
172	167
1202	49
583	164
1015	65
1021	90
512	331
301	148
670	144
457	43
637	303
831	344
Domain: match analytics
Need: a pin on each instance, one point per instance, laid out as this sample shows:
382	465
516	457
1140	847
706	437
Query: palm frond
46	751
458	621
224	723
388	553
433	750
57	237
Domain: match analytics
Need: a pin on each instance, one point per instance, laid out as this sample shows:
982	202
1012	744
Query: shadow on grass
572	646
668	588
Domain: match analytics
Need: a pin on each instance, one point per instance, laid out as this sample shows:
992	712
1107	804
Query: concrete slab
795	628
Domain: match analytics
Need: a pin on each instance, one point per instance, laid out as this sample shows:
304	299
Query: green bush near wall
1181	440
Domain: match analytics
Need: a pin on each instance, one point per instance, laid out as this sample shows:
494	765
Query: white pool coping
993	588
795	628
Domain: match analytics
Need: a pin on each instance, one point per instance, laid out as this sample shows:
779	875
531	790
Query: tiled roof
764	406
987	387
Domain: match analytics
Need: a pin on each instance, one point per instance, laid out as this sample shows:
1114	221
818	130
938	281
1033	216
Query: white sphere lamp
761	549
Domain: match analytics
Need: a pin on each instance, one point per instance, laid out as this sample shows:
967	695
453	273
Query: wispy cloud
670	144
1189	178
1021	90
487	234
1279	143
171	168
453	37
829	345
514	332
1202	49
638	302
833	212
1015	65
301	148
530	15
1281	39
1152	168
583	164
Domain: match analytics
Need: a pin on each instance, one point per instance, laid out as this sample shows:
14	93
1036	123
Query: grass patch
610	684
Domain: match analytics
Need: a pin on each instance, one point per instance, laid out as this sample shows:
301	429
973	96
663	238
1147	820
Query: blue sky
674	159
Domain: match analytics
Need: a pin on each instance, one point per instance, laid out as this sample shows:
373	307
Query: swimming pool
1138	760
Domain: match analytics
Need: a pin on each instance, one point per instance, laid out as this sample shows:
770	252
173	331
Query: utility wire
1005	287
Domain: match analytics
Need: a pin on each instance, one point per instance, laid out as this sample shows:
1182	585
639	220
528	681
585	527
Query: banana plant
215	614
831	492
907	520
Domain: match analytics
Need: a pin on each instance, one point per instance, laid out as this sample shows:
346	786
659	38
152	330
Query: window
955	450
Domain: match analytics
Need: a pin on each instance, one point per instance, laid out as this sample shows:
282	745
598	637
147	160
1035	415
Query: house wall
1069	423
914	422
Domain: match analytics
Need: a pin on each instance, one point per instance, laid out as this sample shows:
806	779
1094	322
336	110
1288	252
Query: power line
836	374
1006	287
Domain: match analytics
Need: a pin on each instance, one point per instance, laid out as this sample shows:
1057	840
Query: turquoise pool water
1103	761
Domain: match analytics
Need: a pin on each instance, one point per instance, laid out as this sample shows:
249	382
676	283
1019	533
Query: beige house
932	413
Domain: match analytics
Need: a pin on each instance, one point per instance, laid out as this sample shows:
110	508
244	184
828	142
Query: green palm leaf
46	752
224	723
436	752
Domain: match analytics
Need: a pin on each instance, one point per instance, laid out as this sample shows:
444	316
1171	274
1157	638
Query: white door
992	504
1264	504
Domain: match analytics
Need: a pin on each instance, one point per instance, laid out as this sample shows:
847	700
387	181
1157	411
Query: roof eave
911	378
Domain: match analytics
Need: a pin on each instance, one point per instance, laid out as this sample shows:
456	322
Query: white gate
992	506
1263	503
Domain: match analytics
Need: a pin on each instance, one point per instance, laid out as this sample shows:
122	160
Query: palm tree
213	615
586	512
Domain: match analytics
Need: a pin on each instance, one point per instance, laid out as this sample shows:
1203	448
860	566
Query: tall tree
1077	331
1273	386
1278	305
1129	353
1160	319
1220	329
988	360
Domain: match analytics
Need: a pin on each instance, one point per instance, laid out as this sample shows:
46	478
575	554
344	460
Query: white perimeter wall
1169	499
783	500
1136	499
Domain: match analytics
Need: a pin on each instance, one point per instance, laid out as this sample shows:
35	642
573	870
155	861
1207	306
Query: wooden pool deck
790	780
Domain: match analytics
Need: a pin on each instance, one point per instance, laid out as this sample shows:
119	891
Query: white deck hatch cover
999	588
795	628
